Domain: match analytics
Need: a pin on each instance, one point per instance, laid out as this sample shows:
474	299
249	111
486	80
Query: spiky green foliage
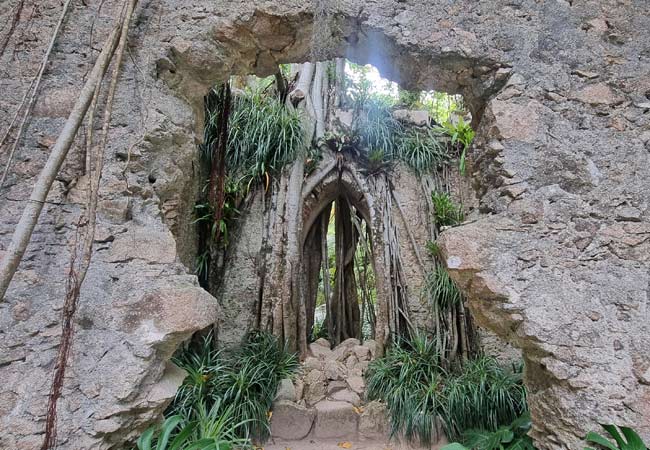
445	212
625	438
433	248
209	430
410	381
442	289
423	151
510	437
263	135
462	135
483	396
385	138
218	427
252	381
204	364
375	126
159	437
243	383
417	390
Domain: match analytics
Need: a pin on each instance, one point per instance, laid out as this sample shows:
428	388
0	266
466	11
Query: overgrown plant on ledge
263	136
249	137
461	135
446	213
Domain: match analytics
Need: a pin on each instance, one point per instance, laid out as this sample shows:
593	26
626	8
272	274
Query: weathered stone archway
556	261
341	191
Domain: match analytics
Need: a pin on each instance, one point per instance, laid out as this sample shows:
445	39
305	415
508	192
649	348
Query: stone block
374	422
291	421
346	395
320	351
357	384
286	391
335	420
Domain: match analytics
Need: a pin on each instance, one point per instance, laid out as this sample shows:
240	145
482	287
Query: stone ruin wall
555	262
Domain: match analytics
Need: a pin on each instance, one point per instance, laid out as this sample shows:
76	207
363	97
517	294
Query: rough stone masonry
555	260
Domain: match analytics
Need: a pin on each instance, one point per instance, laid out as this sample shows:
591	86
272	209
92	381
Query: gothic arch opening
340	297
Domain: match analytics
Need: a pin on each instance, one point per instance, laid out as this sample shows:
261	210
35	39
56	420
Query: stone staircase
324	407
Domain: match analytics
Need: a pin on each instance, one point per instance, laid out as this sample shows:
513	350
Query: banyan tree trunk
345	303
325	264
282	307
312	261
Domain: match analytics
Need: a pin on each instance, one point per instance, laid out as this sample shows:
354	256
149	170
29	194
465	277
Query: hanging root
76	275
12	26
416	249
33	87
25	227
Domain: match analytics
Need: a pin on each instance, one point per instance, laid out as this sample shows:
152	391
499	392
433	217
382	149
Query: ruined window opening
362	133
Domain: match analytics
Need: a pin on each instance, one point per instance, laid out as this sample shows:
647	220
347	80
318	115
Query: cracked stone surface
554	259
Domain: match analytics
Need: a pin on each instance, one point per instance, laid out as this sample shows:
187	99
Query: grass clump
235	391
410	381
263	135
423	151
446	213
442	289
483	395
385	138
418	391
376	128
461	135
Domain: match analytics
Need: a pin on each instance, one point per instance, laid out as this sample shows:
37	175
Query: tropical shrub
203	364
441	289
483	395
511	437
418	391
625	438
423	151
263	135
374	126
462	135
243	383
409	379
251	381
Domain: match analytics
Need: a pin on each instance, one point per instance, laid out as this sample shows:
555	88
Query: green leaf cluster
441	289
418	391
511	437
446	213
263	135
385	138
409	379
225	399
245	381
461	135
625	438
